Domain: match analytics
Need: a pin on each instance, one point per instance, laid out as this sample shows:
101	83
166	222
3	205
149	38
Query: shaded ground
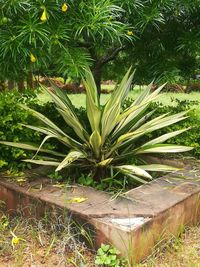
49	242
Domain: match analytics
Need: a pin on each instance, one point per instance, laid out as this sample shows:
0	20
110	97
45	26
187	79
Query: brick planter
133	223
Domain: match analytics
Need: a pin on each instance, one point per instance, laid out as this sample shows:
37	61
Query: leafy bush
10	129
193	87
188	138
11	115
110	141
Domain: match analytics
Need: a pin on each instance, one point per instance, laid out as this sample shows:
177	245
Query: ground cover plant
109	144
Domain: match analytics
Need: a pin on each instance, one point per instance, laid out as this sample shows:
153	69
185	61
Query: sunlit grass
165	98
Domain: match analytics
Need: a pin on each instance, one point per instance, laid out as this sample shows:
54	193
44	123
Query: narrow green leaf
163	148
165	137
158	168
74	124
120	92
42	118
66	109
135	170
67	140
71	157
92	102
109	120
95	142
105	162
31	147
42	162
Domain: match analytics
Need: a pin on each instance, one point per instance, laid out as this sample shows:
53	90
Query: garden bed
133	222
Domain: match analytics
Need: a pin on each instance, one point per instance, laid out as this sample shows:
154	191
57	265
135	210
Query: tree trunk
11	84
30	80
99	63
97	73
20	85
2	85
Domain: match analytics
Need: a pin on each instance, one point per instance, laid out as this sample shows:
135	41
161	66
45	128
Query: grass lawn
49	242
164	98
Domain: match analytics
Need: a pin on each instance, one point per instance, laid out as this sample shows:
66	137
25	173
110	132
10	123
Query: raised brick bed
133	223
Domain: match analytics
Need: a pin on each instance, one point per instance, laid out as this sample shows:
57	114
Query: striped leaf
71	157
163	148
134	170
42	162
92	102
109	120
158	168
95	142
31	148
165	137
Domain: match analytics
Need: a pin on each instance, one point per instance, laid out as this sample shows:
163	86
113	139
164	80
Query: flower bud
64	7
44	16
33	58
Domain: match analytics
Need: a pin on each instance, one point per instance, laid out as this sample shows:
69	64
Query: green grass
165	98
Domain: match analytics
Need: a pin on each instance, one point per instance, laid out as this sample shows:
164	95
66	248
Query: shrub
110	143
188	138
193	87
11	115
10	129
174	88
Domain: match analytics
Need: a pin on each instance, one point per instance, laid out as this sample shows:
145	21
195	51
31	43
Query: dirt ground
181	251
48	243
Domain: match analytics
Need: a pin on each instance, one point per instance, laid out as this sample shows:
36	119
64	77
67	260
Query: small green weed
55	176
108	256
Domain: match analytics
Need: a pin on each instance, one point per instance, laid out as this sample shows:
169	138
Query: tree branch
111	54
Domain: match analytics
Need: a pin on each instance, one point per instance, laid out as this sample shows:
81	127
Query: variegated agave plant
113	134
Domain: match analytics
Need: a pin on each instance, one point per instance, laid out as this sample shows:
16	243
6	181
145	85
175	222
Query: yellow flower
130	33
15	240
44	16
33	58
64	7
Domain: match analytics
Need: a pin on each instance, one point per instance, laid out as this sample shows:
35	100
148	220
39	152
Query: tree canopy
159	37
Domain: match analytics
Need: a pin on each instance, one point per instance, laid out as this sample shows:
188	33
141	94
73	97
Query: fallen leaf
21	180
59	185
77	200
